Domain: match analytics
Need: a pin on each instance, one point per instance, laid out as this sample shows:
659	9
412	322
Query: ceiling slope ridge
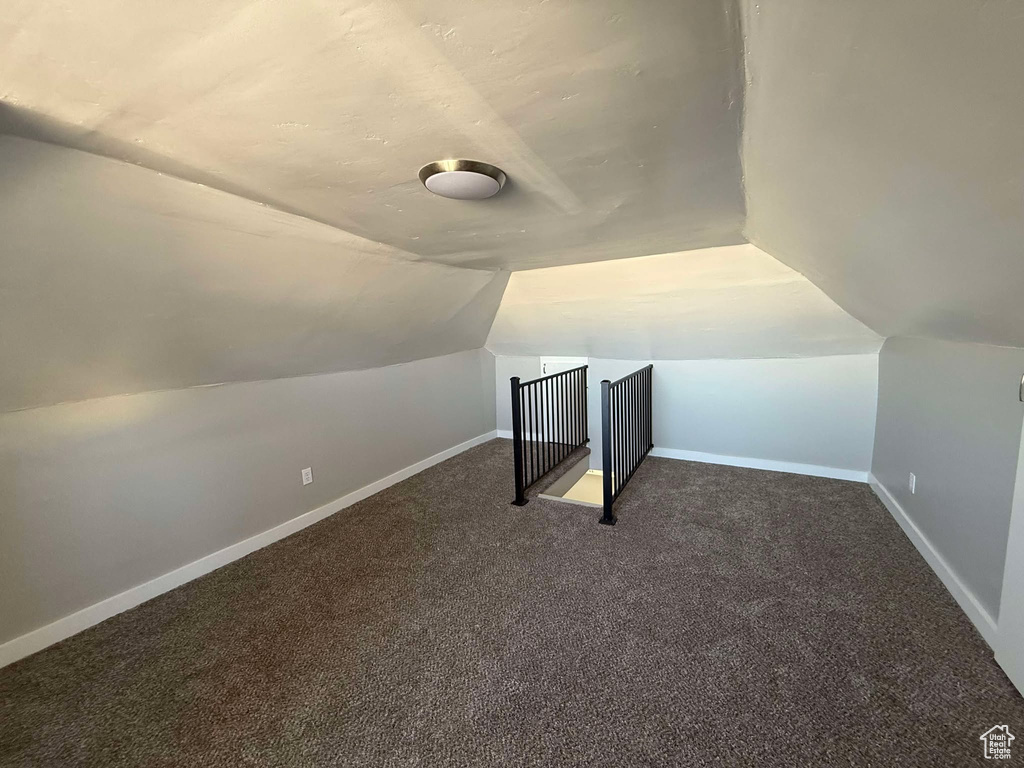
883	163
746	11
21	124
122	297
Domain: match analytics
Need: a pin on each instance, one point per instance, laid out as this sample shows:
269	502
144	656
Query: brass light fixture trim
462	179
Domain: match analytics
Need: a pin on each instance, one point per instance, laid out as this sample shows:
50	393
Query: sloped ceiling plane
276	226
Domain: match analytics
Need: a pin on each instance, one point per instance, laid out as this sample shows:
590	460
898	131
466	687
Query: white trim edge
63	628
792	468
964	597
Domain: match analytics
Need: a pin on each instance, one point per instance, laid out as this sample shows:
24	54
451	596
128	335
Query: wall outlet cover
307	476
913	483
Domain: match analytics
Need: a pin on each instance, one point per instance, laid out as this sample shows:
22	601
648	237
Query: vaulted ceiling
873	148
117	280
884	158
618	123
730	302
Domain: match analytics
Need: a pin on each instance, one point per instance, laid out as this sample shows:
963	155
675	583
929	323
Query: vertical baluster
540	428
567	411
643	412
586	406
541	442
611	429
621	438
625	434
572	412
639	400
553	420
563	411
576	433
581	378
634	421
633	392
650	408
559	412
618	438
632	427
627	430
582	406
627	392
528	434
569	418
581	394
546	399
547	424
527	445
534	448
607	518
556	416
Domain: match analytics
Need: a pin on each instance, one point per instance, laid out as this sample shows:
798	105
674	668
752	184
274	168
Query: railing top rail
629	375
551	376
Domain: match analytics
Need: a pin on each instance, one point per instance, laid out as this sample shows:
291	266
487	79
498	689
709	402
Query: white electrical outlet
913	483
307	476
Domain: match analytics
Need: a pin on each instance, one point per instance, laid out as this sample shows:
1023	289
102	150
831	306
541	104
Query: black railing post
586	408
606	451
650	408
517	443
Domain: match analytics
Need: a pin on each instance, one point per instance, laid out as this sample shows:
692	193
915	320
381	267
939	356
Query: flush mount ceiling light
462	179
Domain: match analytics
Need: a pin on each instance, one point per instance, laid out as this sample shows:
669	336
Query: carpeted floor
732	617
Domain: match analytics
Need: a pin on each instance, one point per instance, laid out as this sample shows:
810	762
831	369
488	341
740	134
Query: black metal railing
549	421
626	432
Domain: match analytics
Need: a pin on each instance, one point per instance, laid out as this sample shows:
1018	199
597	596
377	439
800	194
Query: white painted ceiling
729	302
115	279
884	158
617	122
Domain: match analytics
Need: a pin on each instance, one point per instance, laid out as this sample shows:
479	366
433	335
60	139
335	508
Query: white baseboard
775	466
966	599
741	461
64	628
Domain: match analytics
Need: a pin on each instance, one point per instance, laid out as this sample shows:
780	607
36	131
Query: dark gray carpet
732	617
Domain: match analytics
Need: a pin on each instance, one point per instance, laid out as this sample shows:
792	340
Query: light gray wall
101	495
949	412
818	410
526	368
